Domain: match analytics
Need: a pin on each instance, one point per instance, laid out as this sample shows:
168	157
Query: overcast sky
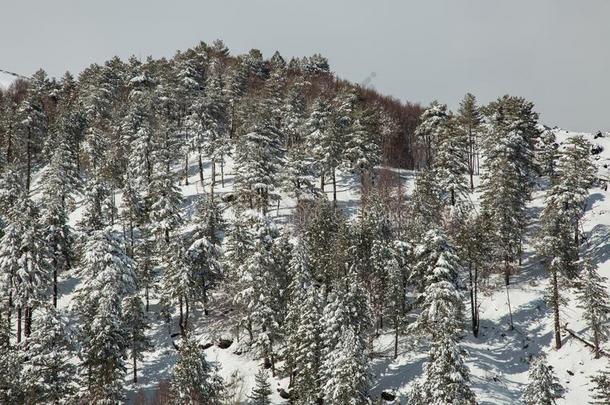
553	52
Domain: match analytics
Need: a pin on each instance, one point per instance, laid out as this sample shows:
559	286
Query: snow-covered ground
6	80
498	358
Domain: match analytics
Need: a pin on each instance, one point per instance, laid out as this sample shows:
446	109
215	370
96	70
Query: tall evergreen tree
194	379
543	387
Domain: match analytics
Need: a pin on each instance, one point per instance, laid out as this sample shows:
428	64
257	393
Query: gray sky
553	52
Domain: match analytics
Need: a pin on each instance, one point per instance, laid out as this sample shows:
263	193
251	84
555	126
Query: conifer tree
303	324
543	387
509	173
470	123
11	390
349	381
136	323
261	392
595	301
548	154
601	387
445	379
194	379
450	163
432	124
107	278
324	142
49	375
204	253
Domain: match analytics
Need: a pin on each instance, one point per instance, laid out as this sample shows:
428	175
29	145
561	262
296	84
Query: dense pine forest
314	232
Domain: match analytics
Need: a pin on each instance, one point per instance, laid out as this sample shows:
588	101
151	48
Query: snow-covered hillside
6	79
498	358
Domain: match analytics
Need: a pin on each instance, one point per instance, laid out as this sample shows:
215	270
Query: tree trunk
213	177
147	296
556	309
334	187
29	160
181	321
200	168
19	325
322	183
222	171
54	283
596	341
186	169
135	368
396	338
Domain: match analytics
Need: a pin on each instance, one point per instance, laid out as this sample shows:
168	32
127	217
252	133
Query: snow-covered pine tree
594	300
258	286
445	379
470	125
303	329
575	175
601	387
107	277
362	149
548	154
99	209
23	261
349	381
509	173
450	163
430	129
543	387
324	143
204	253
166	199
261	393
32	123
58	182
136	323
11	390
258	157
49	374
194	379
179	281
426	201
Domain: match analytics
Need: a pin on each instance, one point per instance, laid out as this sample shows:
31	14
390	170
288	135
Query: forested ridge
264	256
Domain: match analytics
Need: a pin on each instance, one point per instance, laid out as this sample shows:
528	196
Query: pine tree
543	387
509	173
349	381
432	125
303	325
194	379
258	286
58	182
324	142
204	253
23	260
548	153
601	387
11	389
137	324
258	158
470	123
445	379
450	163
261	392
594	300
49	375
362	149
107	278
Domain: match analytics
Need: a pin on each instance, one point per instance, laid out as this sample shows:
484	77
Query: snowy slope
498	359
6	80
